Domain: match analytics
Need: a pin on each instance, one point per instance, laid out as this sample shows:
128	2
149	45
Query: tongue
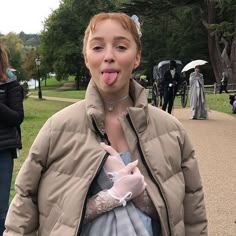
109	78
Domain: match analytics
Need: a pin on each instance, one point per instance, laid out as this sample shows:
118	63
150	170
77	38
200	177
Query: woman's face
111	55
197	70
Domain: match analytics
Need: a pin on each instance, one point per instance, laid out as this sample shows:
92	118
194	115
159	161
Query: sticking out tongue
109	77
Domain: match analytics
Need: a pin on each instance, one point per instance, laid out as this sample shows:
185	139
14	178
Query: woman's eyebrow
97	39
121	38
117	38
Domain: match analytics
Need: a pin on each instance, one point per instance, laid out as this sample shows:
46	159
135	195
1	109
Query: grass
37	112
51	89
220	102
216	102
63	94
52	83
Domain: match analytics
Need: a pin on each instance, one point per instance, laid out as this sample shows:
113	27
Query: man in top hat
171	82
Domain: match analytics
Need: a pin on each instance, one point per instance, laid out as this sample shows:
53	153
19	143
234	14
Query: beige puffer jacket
53	183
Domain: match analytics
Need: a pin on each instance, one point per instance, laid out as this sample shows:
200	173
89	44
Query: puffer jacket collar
9	80
96	112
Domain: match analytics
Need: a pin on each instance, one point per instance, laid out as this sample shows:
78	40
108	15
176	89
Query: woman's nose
109	56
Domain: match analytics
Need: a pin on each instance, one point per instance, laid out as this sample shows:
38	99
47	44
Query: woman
197	95
11	116
145	182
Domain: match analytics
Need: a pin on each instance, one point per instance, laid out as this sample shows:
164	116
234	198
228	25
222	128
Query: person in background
170	84
197	95
111	164
224	83
11	116
232	101
157	88
155	93
143	80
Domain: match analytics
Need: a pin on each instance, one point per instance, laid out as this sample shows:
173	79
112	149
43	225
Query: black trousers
169	97
223	88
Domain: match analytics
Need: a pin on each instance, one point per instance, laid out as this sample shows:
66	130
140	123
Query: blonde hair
126	21
4	63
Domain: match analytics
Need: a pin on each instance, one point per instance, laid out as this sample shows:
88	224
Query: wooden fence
215	88
209	89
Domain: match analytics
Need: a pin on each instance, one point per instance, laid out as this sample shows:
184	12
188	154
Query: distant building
32	83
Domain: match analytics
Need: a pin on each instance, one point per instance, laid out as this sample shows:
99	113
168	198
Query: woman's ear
86	60
137	60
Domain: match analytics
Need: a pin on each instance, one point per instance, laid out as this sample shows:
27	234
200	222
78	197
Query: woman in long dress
197	95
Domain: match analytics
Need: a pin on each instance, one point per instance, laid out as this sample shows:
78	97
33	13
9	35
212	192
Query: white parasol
193	64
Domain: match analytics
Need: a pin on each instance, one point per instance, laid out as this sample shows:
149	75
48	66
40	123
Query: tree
29	63
31	40
62	39
15	49
221	24
218	17
171	30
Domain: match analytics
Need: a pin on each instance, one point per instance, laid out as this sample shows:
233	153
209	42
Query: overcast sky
25	15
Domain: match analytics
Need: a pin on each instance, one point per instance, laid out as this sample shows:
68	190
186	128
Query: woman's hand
128	180
128	184
114	162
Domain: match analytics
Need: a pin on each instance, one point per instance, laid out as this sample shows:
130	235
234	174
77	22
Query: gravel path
214	142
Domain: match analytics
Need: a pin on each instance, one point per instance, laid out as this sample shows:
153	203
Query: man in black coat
170	83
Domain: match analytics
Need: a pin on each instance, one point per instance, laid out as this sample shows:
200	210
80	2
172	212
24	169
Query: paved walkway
214	141
57	99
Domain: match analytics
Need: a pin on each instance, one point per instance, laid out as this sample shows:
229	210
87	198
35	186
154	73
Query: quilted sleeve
195	217
23	216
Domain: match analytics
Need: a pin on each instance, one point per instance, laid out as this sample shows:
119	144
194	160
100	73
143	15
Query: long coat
168	79
54	181
197	96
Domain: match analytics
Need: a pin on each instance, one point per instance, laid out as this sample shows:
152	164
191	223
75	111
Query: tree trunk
225	61
213	43
77	79
233	54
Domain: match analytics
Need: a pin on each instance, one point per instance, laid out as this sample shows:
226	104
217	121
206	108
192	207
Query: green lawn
62	94
52	83
220	102
217	102
52	90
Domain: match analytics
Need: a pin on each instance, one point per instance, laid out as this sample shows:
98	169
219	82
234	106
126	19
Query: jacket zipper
104	137
148	170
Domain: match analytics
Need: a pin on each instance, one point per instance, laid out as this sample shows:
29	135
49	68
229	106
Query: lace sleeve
99	204
145	204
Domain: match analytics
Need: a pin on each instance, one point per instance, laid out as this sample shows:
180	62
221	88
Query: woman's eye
121	47
97	48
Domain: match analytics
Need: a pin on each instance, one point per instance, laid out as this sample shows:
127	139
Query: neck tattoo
110	104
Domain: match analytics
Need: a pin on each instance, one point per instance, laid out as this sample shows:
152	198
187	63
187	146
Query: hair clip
10	74
137	23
